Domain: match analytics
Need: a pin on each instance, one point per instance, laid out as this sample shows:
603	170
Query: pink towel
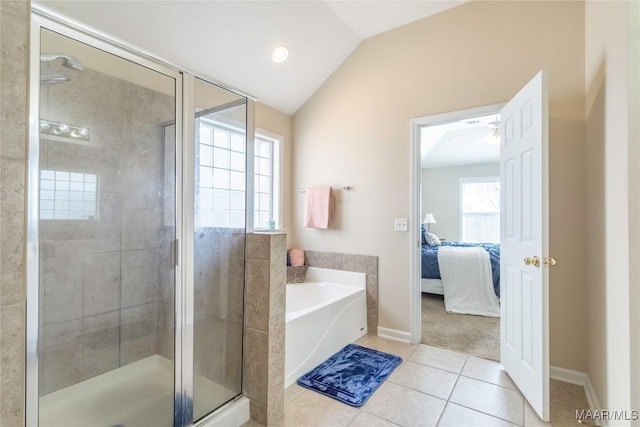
318	207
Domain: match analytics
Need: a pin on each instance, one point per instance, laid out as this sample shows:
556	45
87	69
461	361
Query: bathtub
324	314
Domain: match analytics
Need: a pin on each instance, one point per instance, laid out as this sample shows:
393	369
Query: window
221	177
68	195
480	209
266	204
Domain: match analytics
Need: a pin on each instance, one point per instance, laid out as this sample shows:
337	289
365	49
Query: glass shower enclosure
136	237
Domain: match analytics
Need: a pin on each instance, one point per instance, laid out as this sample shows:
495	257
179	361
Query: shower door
219	126
106	226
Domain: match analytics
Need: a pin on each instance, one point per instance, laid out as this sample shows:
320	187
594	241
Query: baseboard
581	379
394	334
568	376
592	399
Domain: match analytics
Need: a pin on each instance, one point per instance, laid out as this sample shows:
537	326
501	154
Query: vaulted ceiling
232	41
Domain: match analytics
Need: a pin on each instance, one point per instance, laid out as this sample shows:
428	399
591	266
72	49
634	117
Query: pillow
422	233
432	239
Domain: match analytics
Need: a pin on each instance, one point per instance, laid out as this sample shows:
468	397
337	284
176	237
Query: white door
524	285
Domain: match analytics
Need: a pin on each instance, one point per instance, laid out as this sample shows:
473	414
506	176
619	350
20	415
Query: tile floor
433	387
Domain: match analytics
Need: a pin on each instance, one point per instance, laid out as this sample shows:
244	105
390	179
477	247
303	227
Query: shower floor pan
138	394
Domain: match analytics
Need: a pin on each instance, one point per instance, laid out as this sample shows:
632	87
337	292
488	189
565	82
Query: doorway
458	187
524	263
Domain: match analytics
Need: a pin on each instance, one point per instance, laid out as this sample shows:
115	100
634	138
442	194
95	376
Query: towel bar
346	188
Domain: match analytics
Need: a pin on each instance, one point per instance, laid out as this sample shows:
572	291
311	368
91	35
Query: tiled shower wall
367	264
14	20
101	297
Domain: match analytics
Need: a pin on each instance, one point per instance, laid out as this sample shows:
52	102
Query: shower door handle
176	252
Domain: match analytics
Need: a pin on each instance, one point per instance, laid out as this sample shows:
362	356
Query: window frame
277	177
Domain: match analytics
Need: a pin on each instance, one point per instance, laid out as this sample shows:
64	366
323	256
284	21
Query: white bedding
467	281
432	286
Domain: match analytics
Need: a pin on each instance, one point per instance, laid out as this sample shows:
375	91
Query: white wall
441	195
274	121
634	200
612	203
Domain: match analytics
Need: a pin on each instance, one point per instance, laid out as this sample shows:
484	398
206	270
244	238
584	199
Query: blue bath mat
352	374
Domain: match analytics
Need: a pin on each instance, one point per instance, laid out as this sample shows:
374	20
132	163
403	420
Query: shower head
67	61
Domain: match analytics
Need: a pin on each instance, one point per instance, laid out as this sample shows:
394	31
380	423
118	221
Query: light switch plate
401	224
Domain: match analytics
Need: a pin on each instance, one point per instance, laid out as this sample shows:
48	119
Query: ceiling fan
493	137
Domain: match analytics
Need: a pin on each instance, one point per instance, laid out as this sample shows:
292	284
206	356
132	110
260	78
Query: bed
431	279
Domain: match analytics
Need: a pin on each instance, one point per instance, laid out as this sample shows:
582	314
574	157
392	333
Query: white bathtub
324	314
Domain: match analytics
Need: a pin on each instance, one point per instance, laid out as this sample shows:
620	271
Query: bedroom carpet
475	335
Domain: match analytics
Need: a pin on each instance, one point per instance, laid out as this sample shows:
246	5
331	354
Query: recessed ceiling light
280	54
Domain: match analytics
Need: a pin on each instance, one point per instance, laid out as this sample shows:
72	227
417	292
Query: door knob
535	261
549	261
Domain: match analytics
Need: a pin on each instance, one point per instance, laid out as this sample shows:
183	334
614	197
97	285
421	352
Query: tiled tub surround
265	326
103	281
367	264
